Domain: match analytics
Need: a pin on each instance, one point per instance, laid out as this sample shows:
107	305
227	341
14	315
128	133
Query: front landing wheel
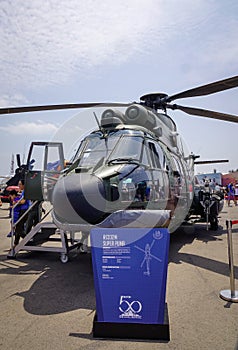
64	258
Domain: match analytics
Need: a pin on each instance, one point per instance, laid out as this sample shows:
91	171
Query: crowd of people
230	191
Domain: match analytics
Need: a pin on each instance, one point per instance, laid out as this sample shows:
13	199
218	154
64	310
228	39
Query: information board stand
130	273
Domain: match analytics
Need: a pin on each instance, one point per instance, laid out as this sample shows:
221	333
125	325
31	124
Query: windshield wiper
124	160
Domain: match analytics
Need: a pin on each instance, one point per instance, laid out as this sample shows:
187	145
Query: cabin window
161	185
178	176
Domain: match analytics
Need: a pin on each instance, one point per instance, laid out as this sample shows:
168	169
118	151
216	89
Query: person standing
14	209
23	206
33	217
231	194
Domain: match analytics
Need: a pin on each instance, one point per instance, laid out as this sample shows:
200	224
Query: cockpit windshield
128	148
120	144
97	147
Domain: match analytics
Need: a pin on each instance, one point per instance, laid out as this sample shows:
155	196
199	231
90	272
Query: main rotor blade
207	89
13	110
205	113
211	161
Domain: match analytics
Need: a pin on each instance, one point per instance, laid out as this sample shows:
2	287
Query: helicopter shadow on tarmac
66	287
60	287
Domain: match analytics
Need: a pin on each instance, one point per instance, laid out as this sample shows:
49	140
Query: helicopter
132	170
12	180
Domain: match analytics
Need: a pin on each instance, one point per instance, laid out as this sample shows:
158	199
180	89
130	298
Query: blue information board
130	273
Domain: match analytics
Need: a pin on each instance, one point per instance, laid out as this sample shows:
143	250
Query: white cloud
64	50
33	129
47	42
13	100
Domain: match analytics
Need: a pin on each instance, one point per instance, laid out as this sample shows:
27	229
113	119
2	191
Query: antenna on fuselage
99	126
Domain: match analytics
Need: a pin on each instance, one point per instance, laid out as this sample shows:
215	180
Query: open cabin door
44	164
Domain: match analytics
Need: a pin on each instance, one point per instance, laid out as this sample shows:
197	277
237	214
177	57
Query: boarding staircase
44	237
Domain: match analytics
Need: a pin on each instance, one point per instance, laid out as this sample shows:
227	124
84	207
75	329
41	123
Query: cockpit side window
155	156
79	151
161	156
145	156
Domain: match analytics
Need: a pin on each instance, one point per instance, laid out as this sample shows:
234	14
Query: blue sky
100	51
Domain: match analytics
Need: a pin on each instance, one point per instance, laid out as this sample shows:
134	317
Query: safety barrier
230	294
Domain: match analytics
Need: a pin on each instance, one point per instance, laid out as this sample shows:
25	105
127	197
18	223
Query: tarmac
45	304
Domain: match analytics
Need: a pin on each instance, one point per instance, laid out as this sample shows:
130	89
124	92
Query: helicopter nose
78	198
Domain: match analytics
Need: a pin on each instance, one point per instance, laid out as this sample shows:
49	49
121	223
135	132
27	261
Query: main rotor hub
155	100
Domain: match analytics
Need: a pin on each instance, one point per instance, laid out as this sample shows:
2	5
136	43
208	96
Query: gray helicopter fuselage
120	167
